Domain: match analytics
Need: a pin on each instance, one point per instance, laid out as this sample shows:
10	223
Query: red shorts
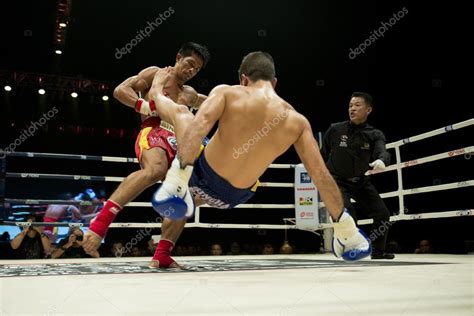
156	133
50	230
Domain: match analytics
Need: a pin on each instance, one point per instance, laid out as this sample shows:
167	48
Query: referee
349	149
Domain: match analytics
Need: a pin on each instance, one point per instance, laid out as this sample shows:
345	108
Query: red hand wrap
138	105
163	252
100	224
152	106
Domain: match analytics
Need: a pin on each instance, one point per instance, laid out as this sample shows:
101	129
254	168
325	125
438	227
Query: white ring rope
55	176
435	132
419	161
107	158
458	213
406	164
398	166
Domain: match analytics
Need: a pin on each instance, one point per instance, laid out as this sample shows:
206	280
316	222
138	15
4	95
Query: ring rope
427	189
405	164
419	161
263	184
411	139
432	133
132	204
153	225
57	202
399	166
55	176
458	213
106	158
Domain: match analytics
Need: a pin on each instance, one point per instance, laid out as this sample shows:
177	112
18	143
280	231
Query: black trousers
371	205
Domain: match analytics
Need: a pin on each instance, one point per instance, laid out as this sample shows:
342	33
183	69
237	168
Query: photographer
31	242
71	246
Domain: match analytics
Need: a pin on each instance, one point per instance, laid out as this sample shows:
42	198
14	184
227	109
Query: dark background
415	74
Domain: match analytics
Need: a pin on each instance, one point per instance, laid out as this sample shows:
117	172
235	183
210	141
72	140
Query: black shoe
382	255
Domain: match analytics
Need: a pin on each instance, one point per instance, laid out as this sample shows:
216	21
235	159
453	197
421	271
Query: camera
79	238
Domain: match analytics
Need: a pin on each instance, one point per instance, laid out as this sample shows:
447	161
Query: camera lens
80	238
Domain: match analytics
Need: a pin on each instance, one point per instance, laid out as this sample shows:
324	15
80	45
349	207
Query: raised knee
183	110
154	174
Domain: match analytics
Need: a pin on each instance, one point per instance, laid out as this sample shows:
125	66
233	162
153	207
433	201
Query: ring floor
240	285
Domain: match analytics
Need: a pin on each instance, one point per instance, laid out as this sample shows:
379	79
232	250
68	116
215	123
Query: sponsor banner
306	200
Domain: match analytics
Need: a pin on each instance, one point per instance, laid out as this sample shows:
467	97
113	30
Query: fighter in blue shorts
209	187
255	126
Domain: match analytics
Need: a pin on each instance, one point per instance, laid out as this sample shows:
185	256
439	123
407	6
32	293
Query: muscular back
61	211
56	211
256	127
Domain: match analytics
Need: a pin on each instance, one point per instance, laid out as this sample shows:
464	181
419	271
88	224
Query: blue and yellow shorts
215	191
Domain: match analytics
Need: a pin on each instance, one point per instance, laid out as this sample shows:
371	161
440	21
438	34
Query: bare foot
91	241
156	265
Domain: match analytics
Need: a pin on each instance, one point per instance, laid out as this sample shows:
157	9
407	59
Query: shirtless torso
57	212
182	94
256	126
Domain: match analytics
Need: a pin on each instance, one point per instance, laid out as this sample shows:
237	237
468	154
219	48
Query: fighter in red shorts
155	146
56	212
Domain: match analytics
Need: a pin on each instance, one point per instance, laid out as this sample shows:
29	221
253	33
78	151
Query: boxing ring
245	285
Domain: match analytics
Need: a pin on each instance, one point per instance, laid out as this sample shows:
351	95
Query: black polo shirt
348	148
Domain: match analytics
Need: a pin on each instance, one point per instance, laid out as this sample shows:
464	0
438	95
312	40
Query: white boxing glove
349	242
378	165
